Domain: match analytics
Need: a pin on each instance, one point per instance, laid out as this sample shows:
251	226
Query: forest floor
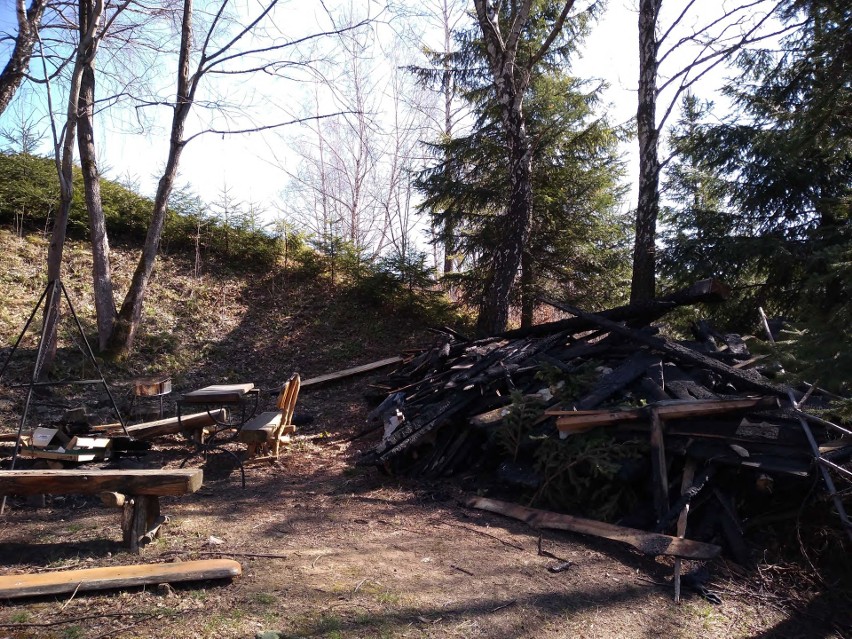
358	553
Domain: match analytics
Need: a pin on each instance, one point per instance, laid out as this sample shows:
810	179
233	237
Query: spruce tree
781	233
577	247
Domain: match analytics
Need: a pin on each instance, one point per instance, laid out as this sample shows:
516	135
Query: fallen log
53	583
707	291
647	543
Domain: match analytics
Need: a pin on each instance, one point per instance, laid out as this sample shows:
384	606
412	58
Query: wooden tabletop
218	393
167	481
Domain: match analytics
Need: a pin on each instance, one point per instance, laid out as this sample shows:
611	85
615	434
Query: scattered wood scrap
65	581
498	406
582	420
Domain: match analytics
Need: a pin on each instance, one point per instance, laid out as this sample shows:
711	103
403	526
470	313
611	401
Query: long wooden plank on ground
91	482
170	425
357	370
645	542
52	583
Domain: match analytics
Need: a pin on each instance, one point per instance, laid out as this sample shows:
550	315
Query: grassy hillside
217	327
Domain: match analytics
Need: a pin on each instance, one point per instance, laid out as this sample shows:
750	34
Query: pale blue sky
245	163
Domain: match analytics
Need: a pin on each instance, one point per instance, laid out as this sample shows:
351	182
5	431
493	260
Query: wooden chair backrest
286	401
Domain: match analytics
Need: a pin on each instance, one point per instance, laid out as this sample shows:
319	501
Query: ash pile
600	415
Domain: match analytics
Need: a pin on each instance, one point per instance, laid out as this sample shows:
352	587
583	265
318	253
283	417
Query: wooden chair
266	432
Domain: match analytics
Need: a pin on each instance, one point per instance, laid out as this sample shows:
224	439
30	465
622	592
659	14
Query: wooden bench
267	431
194	423
137	492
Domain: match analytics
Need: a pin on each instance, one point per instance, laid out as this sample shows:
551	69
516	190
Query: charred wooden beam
629	371
708	291
745	378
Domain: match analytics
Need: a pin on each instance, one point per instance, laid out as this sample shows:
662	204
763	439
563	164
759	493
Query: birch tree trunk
13	73
448	91
643	283
101	274
511	78
127	322
64	158
516	223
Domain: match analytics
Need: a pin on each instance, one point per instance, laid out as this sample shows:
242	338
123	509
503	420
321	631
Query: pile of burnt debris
599	414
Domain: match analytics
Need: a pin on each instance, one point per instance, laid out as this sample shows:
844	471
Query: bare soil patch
361	554
365	555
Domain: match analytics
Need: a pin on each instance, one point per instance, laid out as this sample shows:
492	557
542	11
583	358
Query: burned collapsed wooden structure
699	407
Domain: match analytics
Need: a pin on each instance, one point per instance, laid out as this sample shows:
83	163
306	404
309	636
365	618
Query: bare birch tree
91	12
29	22
350	165
101	274
705	46
433	26
405	123
226	47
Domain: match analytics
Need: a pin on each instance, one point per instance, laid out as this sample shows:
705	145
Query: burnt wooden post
685	485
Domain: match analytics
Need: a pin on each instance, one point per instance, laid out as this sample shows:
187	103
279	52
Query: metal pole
26	326
826	476
36	372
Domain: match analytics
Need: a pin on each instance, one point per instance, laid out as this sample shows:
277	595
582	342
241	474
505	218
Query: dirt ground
360	554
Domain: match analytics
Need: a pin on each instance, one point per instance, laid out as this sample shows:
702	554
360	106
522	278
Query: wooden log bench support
262	429
136	492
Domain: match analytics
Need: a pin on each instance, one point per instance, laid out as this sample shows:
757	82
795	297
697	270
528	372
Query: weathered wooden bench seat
269	430
137	492
262	428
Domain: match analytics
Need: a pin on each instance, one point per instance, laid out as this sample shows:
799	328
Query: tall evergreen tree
575	245
517	39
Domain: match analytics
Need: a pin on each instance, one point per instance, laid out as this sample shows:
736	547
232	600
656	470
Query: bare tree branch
554	32
266	127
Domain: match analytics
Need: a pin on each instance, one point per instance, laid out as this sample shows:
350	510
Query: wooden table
241	399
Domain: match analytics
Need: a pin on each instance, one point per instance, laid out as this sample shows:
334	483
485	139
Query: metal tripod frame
53	288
